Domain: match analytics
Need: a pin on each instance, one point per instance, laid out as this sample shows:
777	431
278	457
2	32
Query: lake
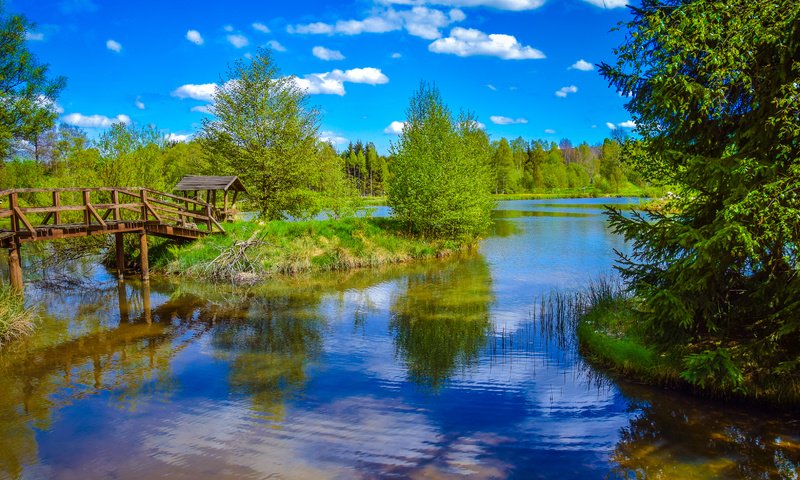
438	369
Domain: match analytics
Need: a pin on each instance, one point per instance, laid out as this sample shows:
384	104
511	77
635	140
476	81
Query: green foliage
27	95
718	112
263	131
441	174
338	194
16	320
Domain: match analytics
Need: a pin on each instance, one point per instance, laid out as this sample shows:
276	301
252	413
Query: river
438	369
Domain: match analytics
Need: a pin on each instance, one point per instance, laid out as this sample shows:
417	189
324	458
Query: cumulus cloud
175	138
331	137
139	104
394	128
326	54
276	45
549	131
332	83
582	65
397	55
204	91
238	40
501	120
608	3
113	45
194	37
466	42
201	109
564	91
94	121
514	5
260	27
627	124
34	36
611	126
418	21
491	87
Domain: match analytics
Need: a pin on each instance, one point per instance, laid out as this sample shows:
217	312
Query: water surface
433	370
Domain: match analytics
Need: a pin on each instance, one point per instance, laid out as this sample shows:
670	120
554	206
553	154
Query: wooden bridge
40	214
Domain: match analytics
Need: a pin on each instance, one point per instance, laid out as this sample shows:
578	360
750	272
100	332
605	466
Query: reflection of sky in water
313	380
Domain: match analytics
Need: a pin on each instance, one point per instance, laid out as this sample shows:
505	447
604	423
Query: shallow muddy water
433	370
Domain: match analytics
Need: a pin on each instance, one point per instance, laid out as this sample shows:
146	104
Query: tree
337	191
442	179
263	131
718	112
27	95
503	162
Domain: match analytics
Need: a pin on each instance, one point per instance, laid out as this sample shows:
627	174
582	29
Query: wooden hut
211	185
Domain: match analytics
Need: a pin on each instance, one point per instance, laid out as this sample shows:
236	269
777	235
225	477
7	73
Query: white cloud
611	126
397	55
466	42
627	124
478	125
326	54
418	21
113	45
331	137
564	91
49	104
608	3
549	131
201	109
332	83
276	45
394	128
238	40
491	87
515	5
204	91
582	65
173	137
228	28
194	37
139	104
94	121
501	120
261	27
34	36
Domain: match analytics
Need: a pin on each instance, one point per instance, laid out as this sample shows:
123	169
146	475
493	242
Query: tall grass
16	320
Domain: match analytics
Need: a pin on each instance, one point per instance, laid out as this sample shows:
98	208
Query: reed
16	320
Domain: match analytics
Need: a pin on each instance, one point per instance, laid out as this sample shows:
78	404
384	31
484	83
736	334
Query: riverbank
253	250
612	337
16	320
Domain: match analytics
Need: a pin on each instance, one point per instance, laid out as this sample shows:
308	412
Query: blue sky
524	67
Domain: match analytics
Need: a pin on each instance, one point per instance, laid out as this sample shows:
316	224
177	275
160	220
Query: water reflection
441	320
673	436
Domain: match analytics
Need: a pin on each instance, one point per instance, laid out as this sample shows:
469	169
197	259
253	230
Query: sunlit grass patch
16	320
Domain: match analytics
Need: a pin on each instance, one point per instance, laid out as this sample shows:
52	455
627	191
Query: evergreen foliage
441	173
718	111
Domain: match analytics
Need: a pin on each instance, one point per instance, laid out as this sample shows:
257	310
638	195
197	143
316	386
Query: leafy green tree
503	162
442	179
611	164
718	112
263	131
27	94
131	157
337	191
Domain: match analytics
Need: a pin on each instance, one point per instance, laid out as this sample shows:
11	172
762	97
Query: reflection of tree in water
268	350
673	437
441	321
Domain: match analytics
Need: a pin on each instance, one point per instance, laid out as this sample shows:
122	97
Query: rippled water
431	370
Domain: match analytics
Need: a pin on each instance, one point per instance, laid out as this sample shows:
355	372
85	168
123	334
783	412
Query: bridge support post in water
15	267
120	247
144	261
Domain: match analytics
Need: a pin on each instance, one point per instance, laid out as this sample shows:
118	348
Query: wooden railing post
208	212
57	205
115	201
144	260
144	204
13	203
87	218
15	266
120	245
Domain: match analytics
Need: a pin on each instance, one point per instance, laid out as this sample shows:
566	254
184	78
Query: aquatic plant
16	320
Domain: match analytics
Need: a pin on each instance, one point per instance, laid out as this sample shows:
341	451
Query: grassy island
252	249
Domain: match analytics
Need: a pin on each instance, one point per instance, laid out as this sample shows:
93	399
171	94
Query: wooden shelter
211	185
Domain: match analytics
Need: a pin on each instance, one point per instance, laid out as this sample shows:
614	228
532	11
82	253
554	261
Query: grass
16	320
281	247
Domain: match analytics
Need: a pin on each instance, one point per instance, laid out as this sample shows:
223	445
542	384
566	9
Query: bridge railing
23	211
